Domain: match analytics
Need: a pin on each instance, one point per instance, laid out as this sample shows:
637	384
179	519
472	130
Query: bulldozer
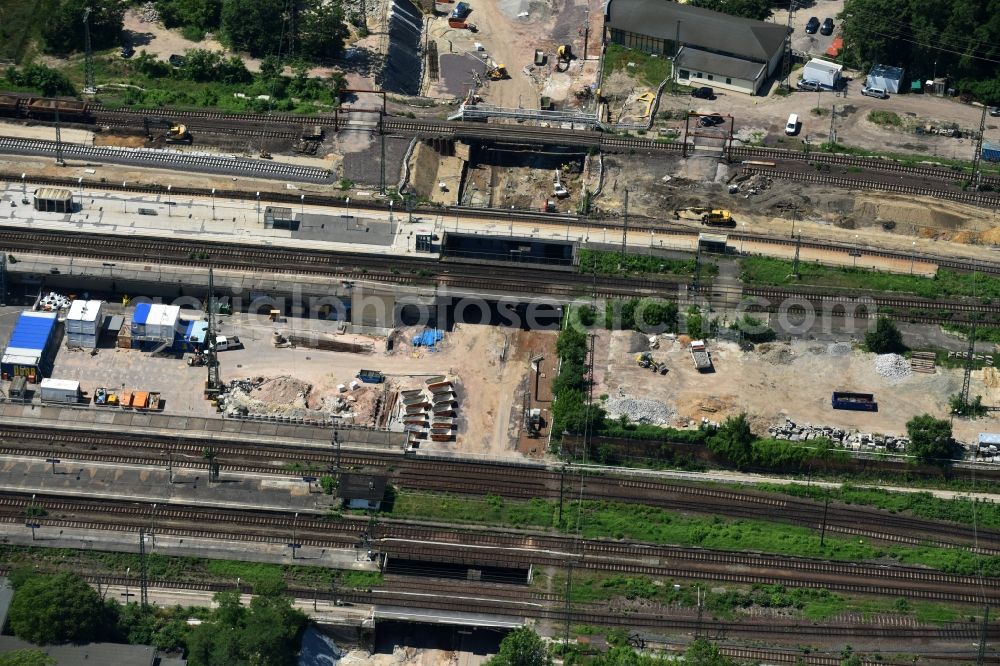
564	56
497	73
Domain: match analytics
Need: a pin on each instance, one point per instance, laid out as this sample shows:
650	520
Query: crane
88	65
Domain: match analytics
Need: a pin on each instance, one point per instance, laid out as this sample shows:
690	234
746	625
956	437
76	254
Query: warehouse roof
32	331
699	27
362	487
118	654
887	72
719	65
53	194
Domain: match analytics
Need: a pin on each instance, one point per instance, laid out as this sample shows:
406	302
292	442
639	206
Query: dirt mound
991	378
776	354
283	389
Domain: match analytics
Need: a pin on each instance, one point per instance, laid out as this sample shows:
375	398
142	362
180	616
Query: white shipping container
84	317
60	390
153	321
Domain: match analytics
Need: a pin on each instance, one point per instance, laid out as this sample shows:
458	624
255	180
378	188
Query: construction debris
148	13
638	410
805	432
892	366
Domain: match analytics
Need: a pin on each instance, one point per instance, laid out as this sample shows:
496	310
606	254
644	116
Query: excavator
164	130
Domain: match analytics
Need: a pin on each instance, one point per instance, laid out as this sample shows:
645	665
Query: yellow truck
713	217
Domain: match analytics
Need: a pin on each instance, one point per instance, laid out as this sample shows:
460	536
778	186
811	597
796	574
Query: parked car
127	51
711	121
827	27
994	111
812	26
808	85
792	126
703	93
875	92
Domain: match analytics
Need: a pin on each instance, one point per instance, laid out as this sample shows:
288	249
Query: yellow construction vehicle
497	73
178	133
713	217
164	130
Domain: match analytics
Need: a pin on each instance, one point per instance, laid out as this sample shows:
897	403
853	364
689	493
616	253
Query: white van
792	126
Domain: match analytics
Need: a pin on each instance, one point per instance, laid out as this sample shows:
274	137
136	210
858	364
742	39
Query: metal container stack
83	324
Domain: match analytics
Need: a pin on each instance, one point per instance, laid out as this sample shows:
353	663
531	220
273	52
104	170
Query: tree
203	14
653	314
885	339
521	647
62	29
48	81
29	657
702	653
930	439
266	632
256	26
734	440
752	9
322	30
57	609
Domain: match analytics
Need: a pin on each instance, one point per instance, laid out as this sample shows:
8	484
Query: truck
858	402
702	359
60	390
461	24
145	401
371	376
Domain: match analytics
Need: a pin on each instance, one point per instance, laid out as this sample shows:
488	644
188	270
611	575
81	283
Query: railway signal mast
88	65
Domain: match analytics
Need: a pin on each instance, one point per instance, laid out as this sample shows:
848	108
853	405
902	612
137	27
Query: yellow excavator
170	131
713	217
564	56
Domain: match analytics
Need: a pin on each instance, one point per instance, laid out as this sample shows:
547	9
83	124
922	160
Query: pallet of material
413	399
438	398
436	437
435	379
409	393
923	362
444	410
438	387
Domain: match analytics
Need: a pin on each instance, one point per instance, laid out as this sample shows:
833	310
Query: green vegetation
48	81
654	525
930	440
911	34
252	25
522	647
751	9
946	284
611	263
921	505
60	608
20	26
646	315
328	483
646	68
29	657
754	330
880	117
162	567
885	338
570	410
62	29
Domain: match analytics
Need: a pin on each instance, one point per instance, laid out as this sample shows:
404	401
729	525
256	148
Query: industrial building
53	200
709	48
155	326
83	324
32	347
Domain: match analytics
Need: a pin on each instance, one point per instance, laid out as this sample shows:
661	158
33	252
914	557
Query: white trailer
60	390
823	72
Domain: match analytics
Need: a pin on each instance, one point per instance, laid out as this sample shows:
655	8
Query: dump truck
497	72
460	24
144	401
371	376
858	402
713	217
105	397
702	359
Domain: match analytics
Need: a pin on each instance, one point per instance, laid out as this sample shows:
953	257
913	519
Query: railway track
214	163
989	200
492	547
520	482
656	226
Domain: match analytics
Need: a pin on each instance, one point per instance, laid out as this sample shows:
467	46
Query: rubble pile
148	13
290	399
776	354
639	411
839	349
804	432
892	366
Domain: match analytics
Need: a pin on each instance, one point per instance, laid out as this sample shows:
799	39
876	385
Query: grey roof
887	72
362	487
719	65
118	654
698	27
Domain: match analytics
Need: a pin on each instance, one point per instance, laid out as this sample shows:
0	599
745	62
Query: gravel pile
640	411
892	366
148	13
839	349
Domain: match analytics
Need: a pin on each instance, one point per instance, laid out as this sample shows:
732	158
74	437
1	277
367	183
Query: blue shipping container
991	152
33	331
